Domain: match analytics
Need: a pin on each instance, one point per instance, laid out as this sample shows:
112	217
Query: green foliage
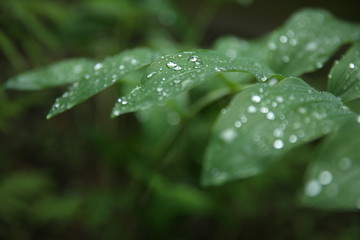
264	120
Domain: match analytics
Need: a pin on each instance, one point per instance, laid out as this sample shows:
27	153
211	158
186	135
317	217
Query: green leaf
102	76
234	47
344	77
263	122
333	180
174	74
61	73
307	41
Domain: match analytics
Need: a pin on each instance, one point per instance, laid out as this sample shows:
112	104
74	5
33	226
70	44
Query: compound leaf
102	76
174	74
61	73
344	77
333	180
263	122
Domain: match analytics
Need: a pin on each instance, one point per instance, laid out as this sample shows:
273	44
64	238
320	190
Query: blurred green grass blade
57	74
333	180
264	122
174	74
308	39
10	51
103	75
344	77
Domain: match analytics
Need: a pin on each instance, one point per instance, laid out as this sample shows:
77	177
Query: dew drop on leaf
98	66
278	144
325	177
312	188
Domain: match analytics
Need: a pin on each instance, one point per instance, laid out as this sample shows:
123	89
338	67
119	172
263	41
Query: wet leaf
103	75
174	74
263	122
307	41
234	47
61	73
344	77
333	180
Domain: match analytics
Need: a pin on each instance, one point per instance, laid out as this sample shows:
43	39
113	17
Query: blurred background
82	175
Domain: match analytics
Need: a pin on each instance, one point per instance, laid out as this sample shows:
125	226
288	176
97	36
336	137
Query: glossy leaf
61	73
102	76
177	73
307	41
333	180
344	77
234	47
263	122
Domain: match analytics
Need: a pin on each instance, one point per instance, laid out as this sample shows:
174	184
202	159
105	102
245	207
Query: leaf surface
177	73
307	40
61	73
344	77
103	75
333	180
263	122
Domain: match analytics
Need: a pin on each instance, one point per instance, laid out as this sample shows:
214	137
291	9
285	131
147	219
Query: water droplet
238	124
272	46
293	42
150	75
345	164
311	46
124	102
256	99
351	66
177	68
193	58
171	64
119	100
302	110
358	119
272	81
278	144
263	78
283	39
197	65
228	135
159	89
325	177
98	66
264	110
134	61
217	69
223	111
243	119
312	188
279	99
116	112
251	109
270	116
121	67
278	132
285	59
293	138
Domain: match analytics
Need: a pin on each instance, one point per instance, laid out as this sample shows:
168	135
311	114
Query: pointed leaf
344	77
307	41
61	73
333	181
101	77
174	74
263	122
